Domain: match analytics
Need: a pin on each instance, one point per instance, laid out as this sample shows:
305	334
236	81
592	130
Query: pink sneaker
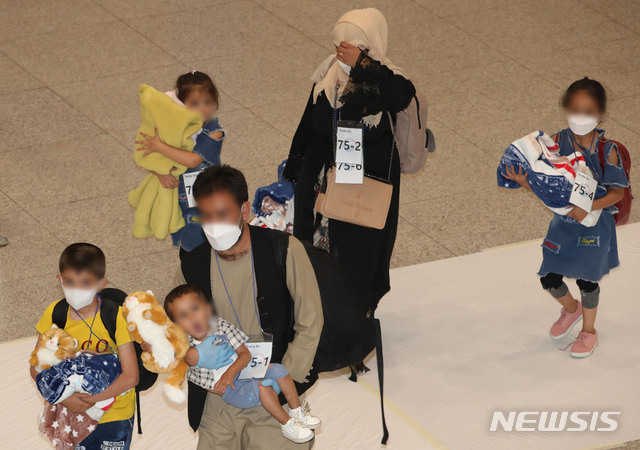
584	345
565	323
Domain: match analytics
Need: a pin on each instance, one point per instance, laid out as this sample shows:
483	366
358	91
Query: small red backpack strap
601	143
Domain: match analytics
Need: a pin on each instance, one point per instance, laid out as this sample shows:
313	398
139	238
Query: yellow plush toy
147	322
157	209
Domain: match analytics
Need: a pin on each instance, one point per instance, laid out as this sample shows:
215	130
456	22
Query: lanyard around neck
94	316
91	332
253	279
574	142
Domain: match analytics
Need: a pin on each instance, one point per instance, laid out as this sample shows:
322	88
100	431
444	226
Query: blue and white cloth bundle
85	372
273	204
550	175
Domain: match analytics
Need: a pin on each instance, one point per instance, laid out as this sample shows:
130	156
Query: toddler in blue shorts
187	307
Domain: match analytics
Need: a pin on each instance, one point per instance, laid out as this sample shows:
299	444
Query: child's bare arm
184	157
244	356
614	195
127	379
154	144
167	181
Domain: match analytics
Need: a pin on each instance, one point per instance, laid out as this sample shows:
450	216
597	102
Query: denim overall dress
571	249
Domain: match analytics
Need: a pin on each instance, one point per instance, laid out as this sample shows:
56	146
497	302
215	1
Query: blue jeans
247	391
109	436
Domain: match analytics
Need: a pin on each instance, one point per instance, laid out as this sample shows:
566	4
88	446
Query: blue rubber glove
214	352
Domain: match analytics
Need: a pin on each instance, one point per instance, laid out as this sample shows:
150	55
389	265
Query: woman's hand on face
519	177
150	144
348	54
577	213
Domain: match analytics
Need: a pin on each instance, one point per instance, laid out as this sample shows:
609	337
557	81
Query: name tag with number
189	179
584	191
349	147
349	173
348	143
260	347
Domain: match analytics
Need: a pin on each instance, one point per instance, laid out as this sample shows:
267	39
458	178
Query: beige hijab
366	29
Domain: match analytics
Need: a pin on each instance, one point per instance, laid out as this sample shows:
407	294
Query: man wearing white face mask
239	271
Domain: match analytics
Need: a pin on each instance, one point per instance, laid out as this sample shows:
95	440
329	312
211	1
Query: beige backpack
414	140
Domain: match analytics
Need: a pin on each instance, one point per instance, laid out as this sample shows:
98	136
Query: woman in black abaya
363	86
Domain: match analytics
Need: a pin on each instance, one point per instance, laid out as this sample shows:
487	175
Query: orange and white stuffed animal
147	322
55	345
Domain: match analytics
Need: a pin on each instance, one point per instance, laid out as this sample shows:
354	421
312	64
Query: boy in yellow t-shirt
82	269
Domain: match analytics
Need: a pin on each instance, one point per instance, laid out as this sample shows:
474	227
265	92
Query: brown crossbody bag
365	204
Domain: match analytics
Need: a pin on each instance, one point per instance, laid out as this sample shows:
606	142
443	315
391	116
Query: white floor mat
463	337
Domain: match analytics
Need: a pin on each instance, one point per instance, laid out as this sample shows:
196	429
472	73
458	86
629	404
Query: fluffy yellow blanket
157	209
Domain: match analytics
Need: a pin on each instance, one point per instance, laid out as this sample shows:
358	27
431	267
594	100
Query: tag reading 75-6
349	166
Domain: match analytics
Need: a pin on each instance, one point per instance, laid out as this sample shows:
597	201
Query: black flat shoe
356	370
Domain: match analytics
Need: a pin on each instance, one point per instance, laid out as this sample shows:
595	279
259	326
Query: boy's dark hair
221	178
82	256
592	87
178	292
192	81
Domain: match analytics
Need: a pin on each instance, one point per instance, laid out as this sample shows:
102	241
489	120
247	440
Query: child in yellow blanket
198	93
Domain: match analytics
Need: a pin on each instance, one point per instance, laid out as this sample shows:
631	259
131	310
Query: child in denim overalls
197	91
571	249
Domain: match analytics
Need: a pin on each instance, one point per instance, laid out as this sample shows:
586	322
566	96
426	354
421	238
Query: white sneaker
296	431
300	413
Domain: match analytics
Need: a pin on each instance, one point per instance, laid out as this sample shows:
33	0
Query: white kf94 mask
222	236
581	124
345	67
79	298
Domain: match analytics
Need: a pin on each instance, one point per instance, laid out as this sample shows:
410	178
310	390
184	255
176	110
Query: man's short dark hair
178	292
221	178
82	256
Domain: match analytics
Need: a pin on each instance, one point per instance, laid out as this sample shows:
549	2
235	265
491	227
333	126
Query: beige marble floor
493	70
